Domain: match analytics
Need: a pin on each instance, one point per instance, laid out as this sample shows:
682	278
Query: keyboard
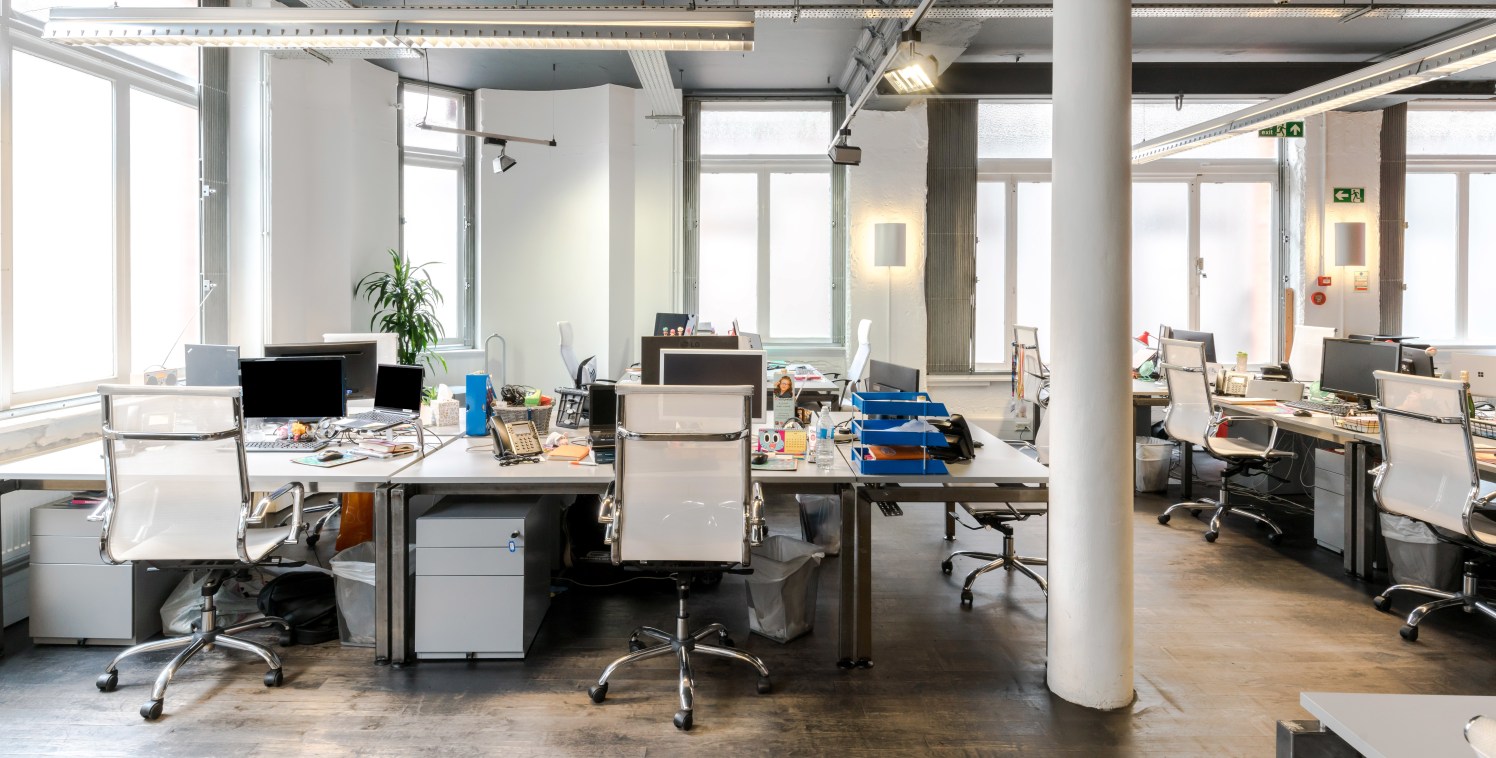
380	417
1334	409
283	446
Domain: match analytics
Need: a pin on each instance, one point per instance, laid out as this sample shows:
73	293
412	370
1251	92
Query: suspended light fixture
910	72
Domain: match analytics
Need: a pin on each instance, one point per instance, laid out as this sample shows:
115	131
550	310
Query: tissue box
447	412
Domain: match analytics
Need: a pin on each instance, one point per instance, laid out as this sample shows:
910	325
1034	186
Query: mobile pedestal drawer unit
483	574
77	598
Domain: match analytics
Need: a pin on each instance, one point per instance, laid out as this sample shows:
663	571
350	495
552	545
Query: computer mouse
760	458
1302	412
329	455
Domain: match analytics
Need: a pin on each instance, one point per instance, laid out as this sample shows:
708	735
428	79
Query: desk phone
517	438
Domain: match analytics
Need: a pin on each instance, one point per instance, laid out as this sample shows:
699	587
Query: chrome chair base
681	645
1467	598
204	637
1008	560
1220	508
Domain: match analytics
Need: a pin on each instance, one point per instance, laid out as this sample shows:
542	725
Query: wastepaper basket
782	588
1418	557
1150	466
354	569
820	521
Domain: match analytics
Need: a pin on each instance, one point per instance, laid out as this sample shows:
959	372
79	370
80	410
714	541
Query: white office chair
1480	733
1033	380
1429	475
581	373
855	370
1191	417
199	516
683	501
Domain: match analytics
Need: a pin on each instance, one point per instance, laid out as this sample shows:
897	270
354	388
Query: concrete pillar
1090	520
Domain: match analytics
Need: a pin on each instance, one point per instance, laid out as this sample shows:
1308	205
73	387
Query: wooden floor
1228	635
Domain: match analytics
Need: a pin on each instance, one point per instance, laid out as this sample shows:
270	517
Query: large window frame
124	75
764	167
463	161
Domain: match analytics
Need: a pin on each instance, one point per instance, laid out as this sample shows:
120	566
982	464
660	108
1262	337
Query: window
1202	247
767	252
101	259
1449	253
436	228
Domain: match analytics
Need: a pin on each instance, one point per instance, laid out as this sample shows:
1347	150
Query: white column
1090	521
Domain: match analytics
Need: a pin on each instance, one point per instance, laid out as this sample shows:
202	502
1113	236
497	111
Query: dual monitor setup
308	381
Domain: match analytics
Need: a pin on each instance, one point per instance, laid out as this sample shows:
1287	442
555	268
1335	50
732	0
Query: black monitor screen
302	389
398	388
1417	361
1347	365
1206	337
891	377
666	322
715	367
360	360
649	353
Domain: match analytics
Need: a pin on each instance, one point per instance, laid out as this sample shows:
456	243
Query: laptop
212	365
397	399
602	424
750	341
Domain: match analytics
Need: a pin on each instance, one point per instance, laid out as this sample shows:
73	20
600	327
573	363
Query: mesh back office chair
1429	475
853	378
1191	417
1033	384
683	501
581	373
177	493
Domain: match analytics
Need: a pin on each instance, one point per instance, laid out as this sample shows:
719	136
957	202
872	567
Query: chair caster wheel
966	598
683	721
286	639
1211	536
1409	633
1381	603
151	710
945	567
274	678
635	645
1275	538
1163	518
598	692
764	685
107	681
724	640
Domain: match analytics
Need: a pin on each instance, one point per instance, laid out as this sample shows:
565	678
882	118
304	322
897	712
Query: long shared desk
465	465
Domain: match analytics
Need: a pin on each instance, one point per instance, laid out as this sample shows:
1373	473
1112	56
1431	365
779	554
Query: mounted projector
843	154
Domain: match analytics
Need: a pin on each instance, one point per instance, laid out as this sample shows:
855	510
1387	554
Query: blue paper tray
927	466
874	431
907	404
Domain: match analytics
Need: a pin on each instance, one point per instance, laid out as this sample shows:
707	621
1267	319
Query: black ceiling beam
1169	79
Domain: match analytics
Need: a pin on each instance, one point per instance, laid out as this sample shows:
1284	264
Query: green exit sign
1349	194
1286	129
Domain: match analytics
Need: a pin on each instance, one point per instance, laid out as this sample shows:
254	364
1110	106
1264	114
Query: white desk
1392	726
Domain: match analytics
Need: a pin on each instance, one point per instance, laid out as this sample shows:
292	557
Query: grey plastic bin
1150	469
782	588
820	521
354	570
1418	557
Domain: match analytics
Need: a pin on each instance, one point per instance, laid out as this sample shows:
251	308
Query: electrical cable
569	580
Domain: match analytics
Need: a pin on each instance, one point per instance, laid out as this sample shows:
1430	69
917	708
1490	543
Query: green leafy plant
405	303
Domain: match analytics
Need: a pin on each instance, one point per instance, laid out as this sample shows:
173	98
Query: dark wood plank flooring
1228	635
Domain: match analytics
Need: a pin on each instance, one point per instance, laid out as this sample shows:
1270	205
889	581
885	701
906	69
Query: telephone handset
519	438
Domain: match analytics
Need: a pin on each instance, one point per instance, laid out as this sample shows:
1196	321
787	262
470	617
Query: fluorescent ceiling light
1462	53
1327	11
571	29
911	72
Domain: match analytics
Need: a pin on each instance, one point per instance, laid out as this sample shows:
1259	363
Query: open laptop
602	421
397	399
212	365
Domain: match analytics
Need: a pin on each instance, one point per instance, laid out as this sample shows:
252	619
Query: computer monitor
389	344
360	361
890	377
1206	337
398	388
1479	369
650	347
718	367
212	365
1417	361
602	412
295	389
1347	366
668	322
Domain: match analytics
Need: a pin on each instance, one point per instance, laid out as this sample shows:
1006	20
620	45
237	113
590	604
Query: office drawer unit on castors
77	598
483	574
1329	499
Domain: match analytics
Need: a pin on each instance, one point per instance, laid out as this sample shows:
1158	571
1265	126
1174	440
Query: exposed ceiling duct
1322	11
654	76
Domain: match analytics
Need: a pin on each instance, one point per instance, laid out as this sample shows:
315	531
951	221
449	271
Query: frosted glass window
733	130
433	219
1236	296
1151	120
1430	255
178	59
800	256
990	341
63	225
1033	258
1024	130
439	108
1482	322
1160	256
728	284
1014	130
1441	132
164	261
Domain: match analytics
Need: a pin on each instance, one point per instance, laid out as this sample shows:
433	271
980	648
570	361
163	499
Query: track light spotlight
503	162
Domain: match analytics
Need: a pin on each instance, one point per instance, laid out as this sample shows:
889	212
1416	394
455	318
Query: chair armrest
757	530
99	513
297	491
1272	438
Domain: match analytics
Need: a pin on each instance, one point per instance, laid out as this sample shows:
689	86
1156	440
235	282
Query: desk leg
1187	486
5	486
382	576
864	655
1361	524
950	522
846	610
399	578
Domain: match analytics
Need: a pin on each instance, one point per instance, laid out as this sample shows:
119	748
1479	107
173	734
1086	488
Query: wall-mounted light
889	253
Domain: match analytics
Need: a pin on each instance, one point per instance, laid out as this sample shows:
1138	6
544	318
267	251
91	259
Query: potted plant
405	303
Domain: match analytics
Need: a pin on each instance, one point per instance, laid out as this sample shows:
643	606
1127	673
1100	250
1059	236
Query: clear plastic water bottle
825	448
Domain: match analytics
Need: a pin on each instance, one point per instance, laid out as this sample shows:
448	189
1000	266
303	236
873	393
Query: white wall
657	170
1342	150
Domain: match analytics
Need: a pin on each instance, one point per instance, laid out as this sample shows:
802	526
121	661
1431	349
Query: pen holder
477	405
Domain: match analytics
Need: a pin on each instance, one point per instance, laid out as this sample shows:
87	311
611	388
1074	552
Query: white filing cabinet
78	598
483	574
1329	499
